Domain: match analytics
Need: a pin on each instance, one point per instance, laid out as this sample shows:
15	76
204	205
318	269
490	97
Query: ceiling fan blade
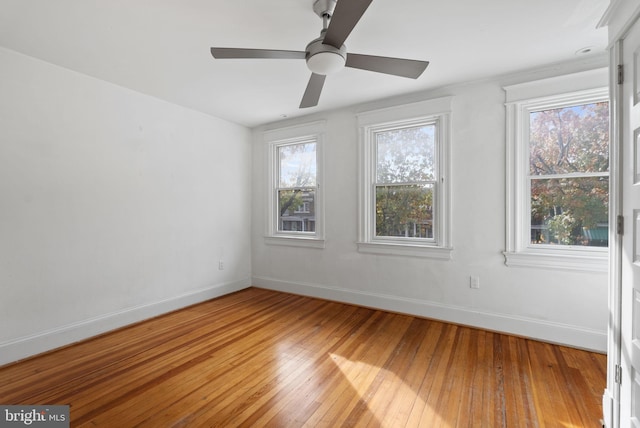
312	93
345	16
225	53
381	64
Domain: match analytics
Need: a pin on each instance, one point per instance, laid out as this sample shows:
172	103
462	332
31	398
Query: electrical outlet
474	281
220	265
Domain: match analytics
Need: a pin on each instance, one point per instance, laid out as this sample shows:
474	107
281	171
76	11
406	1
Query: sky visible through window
297	165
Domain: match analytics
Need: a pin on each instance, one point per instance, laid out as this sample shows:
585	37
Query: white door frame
611	397
619	17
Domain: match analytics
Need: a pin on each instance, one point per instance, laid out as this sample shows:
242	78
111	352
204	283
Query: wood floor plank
437	377
477	406
412	354
263	358
434	332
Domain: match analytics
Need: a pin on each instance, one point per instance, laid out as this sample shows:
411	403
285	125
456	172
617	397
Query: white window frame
522	99
274	139
438	112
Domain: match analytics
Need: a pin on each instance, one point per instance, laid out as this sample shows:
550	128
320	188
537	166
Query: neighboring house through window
558	174
404	182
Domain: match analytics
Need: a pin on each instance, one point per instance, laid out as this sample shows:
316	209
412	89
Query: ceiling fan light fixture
325	59
326	63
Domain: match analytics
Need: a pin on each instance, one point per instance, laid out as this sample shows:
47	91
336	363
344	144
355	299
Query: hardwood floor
261	358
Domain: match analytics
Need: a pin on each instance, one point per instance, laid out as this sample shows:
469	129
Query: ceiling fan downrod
324	9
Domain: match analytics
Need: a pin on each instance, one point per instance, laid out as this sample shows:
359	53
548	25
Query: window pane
569	139
297	210
297	164
405	155
404	211
570	211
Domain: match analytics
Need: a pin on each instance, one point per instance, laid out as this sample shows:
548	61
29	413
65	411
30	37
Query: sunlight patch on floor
361	375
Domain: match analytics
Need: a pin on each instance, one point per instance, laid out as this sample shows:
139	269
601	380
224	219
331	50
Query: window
296	189
404	189
295	214
569	175
404	182
558	181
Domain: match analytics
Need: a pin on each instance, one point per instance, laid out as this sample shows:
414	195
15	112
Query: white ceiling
161	47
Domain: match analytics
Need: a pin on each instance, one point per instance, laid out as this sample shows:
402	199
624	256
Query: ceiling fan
327	54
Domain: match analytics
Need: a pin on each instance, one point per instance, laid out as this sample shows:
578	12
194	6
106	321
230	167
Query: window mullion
568	175
406	183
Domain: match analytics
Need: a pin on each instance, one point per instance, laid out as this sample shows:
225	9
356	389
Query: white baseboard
24	347
558	333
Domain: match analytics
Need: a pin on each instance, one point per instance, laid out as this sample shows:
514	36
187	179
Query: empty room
319	213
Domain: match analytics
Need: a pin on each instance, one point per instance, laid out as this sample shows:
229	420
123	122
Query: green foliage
561	227
404	211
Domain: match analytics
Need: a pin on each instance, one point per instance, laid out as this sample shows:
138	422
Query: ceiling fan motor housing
325	59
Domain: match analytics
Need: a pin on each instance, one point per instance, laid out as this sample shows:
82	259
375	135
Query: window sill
294	241
592	261
407	250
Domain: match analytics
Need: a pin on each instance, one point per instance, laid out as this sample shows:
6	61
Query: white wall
114	206
552	305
